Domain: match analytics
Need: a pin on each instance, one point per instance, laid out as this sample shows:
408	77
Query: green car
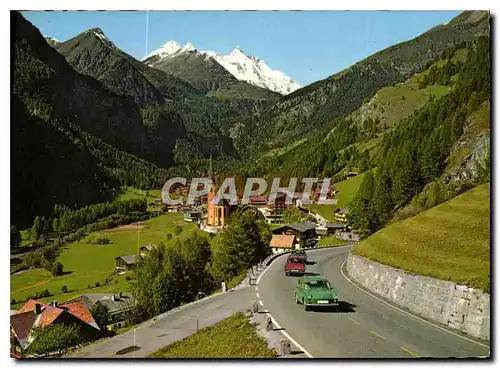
315	291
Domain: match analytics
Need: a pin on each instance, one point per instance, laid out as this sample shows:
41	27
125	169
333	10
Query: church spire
210	171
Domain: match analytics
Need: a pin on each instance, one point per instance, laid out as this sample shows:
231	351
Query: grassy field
347	190
282	150
85	264
449	242
394	103
331	240
151	195
233	337
133	193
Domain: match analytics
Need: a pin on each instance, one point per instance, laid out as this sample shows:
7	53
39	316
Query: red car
295	264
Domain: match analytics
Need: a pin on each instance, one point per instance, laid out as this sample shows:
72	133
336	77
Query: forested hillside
139	124
309	109
413	157
127	121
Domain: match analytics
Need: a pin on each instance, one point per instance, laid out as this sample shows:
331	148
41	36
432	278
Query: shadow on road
127	350
311	274
343	307
310	263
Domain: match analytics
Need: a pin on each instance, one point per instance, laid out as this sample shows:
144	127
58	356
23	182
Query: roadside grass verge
233	337
86	264
449	242
236	280
331	240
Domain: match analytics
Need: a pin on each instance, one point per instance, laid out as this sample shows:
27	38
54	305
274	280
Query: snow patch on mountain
247	68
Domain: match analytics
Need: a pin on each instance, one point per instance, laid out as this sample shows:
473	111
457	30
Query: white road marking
409	352
376	334
258	296
353	320
309	355
405	312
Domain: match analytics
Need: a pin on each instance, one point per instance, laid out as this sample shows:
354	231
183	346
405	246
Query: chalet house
125	263
272	215
258	200
282	243
342	215
330	228
35	314
173	207
145	249
330	194
192	216
304	232
118	305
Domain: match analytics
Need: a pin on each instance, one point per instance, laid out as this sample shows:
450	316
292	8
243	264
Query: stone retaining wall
456	306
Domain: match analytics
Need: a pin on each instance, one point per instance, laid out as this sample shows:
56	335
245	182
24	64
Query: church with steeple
217	213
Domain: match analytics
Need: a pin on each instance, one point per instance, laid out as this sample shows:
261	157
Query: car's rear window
295	260
318	283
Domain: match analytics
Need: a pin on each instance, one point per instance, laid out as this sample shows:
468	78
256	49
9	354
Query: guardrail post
255	307
269	324
285	347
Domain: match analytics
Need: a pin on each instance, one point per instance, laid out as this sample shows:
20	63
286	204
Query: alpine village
101	266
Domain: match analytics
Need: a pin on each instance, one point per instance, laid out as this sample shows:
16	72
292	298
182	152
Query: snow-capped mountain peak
237	52
247	68
51	41
171	48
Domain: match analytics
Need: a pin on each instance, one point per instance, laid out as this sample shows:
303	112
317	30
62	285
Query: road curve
364	327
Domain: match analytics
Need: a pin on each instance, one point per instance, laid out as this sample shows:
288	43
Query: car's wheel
287	273
306	308
296	299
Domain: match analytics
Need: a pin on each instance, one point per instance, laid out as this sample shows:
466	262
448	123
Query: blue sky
305	45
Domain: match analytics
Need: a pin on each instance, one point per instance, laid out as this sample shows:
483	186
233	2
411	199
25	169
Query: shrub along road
365	327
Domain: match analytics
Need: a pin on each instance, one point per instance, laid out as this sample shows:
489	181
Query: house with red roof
36	314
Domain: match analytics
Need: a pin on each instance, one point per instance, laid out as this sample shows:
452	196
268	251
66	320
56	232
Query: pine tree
37	228
406	178
15	237
383	202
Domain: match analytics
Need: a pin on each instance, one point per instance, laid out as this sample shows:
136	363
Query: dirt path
32	286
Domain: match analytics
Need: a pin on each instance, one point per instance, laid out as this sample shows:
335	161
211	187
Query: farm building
124	263
145	249
304	232
118	305
330	228
282	243
342	215
192	216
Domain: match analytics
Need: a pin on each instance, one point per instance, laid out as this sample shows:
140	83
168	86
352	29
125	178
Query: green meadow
87	264
449	242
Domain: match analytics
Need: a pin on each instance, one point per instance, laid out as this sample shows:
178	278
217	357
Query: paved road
364	327
170	327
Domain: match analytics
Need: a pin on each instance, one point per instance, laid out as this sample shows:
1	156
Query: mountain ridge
309	109
250	69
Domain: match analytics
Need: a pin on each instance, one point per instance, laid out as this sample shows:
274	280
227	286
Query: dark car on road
300	253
